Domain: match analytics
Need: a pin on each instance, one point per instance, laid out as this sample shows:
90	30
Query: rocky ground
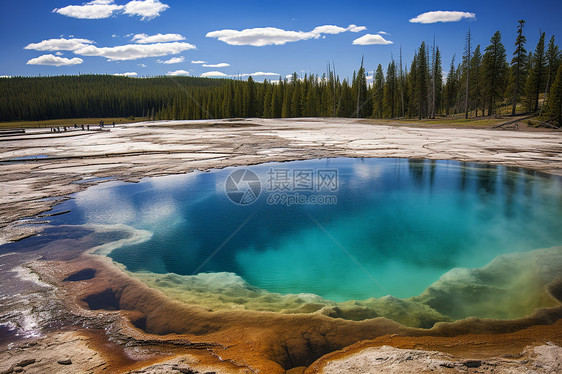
541	359
40	168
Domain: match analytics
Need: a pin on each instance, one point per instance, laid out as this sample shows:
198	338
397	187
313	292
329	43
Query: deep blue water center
397	225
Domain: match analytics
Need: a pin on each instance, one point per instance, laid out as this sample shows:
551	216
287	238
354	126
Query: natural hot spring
445	239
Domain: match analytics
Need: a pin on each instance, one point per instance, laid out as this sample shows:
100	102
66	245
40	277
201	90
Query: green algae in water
398	226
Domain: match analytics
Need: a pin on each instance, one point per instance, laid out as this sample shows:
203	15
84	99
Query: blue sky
35	35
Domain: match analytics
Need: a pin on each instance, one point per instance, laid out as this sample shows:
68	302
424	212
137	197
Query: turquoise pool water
389	226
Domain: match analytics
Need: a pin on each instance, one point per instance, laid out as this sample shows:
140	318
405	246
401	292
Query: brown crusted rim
268	341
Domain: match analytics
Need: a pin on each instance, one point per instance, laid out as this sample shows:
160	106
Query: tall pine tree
378	93
438	76
451	88
494	66
537	75
421	86
391	91
518	67
552	61
555	103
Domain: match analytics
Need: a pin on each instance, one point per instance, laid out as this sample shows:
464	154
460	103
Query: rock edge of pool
97	319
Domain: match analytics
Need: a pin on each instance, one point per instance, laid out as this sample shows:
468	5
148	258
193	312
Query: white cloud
383	33
98	9
5	76
259	74
147	9
331	29
289	76
221	65
173	60
158	38
213	74
442	16
53	60
135	51
328	29
59	44
142	65
355	28
259	37
198	62
95	9
128	74
85	47
370	39
59	53
262	36
178	72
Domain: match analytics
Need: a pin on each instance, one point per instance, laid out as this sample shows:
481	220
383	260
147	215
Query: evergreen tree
296	110
555	103
346	103
287	100
494	72
552	61
537	79
363	102
276	99
250	100
268	98
518	65
438	76
378	93
229	101
466	62
311	106
421	87
332	88
412	82
529	98
391	91
304	95
451	88
401	88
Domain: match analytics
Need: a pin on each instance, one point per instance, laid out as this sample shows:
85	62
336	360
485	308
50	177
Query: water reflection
406	221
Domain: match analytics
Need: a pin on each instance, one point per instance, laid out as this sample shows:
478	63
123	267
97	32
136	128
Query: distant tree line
481	84
83	96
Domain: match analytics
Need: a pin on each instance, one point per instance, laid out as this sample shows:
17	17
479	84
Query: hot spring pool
362	229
